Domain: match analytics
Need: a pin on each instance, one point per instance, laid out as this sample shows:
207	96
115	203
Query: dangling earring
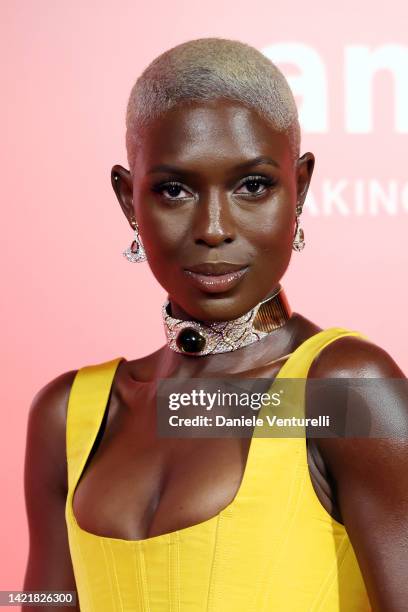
135	253
298	242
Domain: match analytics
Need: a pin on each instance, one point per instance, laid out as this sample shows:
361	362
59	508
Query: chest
136	485
134	489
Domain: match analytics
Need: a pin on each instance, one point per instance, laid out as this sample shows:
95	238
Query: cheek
165	238
274	227
162	234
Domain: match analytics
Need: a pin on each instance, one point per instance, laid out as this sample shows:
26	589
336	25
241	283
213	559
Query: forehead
220	130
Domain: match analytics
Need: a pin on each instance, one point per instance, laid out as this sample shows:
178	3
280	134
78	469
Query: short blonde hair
209	68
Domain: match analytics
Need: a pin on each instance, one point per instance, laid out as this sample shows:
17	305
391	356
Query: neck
201	337
273	346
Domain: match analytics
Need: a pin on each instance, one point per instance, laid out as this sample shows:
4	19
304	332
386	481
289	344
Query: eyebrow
257	161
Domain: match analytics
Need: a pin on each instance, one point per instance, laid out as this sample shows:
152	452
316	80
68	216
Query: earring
298	242
135	253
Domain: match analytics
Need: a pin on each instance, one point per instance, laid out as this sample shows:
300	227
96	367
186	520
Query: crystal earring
135	252
298	242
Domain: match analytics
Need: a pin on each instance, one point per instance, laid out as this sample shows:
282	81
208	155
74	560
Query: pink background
69	297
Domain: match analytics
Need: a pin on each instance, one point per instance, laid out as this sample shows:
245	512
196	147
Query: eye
173	188
252	183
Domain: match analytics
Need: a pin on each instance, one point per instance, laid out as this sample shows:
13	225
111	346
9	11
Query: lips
215	277
216	268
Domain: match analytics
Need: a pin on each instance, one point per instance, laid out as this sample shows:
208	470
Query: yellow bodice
273	548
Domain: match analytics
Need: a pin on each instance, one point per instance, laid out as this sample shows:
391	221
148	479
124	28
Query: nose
213	222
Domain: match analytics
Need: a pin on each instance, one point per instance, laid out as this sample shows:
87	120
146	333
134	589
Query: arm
371	474
45	486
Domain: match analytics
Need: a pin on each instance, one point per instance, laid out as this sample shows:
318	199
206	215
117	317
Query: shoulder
380	404
51	400
370	370
46	427
45	488
354	356
370	472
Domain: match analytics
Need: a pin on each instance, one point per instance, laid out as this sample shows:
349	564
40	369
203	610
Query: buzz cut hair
207	69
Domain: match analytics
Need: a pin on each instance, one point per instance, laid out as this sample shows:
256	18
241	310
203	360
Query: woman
135	521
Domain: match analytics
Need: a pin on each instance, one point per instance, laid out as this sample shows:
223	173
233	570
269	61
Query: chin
220	306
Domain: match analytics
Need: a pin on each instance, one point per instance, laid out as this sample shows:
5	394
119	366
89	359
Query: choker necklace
193	337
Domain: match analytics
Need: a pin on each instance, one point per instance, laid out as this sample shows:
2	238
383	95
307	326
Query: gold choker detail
207	337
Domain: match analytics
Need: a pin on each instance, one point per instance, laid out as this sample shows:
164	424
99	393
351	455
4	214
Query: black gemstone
189	340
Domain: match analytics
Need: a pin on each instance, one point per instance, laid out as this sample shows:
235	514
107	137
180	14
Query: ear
123	187
304	171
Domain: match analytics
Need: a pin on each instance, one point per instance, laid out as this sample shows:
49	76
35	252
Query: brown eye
173	189
254	183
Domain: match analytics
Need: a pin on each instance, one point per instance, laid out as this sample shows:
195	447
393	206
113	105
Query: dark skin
168	484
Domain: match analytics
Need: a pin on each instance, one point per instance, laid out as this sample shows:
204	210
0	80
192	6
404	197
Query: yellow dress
273	548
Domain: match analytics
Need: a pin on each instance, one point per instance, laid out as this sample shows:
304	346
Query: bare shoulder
383	395
354	356
47	423
370	472
49	564
55	392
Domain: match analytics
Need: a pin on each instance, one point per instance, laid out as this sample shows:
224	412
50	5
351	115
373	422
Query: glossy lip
216	283
215	268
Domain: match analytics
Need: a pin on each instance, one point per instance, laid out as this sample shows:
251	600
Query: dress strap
297	368
298	365
87	402
92	385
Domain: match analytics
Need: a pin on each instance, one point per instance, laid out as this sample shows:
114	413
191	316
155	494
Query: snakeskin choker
193	337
